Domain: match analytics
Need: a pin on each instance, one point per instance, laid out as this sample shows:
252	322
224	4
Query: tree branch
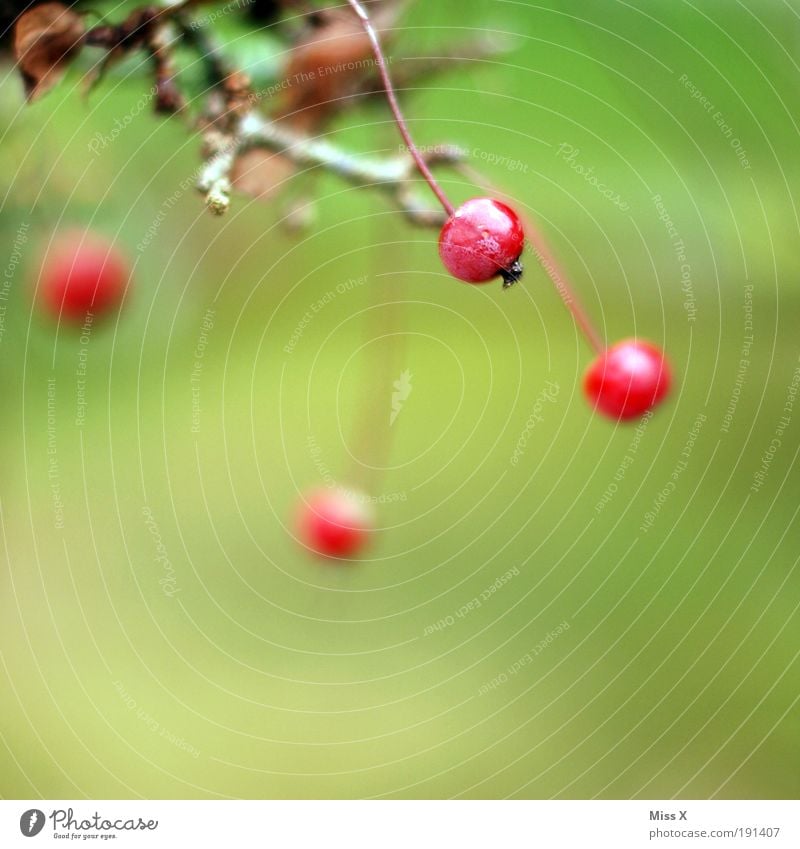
392	175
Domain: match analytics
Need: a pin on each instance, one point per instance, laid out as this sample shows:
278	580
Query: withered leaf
261	174
45	39
329	63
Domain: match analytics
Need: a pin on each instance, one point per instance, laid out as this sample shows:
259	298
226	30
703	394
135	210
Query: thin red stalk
539	244
395	107
551	266
560	280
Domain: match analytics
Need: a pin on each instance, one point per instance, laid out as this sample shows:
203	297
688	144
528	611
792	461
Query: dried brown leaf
45	39
261	174
329	63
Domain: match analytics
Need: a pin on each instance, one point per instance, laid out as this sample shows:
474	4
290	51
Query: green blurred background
262	672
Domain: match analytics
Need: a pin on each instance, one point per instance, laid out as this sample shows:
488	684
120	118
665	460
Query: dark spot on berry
511	275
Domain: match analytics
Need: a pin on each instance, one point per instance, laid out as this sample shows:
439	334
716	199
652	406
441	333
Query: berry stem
560	280
549	263
380	59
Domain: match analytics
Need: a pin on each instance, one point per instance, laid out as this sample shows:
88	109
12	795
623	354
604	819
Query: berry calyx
627	379
334	522
83	272
482	239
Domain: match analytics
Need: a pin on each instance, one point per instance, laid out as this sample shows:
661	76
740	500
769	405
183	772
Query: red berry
482	239
334	522
628	379
83	272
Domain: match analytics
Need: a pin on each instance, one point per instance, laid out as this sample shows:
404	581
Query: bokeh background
637	633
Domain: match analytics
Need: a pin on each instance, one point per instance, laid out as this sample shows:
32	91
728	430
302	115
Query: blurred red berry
482	239
335	522
628	379
82	273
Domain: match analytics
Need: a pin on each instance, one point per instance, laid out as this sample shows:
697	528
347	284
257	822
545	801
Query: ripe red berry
82	272
628	379
482	239
334	522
